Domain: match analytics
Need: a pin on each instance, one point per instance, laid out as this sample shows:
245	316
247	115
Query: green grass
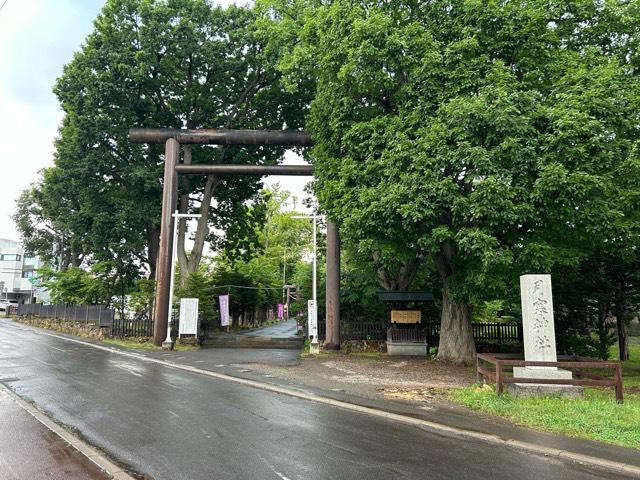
597	416
143	345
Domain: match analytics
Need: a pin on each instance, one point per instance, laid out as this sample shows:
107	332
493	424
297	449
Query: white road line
42	362
600	463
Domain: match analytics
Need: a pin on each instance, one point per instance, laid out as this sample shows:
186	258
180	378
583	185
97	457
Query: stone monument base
412	349
542	390
542	372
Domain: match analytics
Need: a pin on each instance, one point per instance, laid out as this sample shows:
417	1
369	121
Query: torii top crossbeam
286	138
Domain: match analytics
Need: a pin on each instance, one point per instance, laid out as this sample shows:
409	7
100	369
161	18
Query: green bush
583	345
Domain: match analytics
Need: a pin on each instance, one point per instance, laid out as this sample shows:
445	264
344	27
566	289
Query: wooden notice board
406	316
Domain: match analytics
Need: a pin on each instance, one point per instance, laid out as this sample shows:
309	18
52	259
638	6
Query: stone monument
539	339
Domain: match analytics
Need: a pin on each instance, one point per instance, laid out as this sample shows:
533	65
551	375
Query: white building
17	272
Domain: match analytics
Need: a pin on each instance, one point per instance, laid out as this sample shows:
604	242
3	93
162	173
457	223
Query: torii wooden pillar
173	138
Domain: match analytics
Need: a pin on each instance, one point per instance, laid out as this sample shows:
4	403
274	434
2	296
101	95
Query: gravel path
409	378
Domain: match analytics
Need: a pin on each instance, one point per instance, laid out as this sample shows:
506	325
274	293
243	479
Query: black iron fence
406	335
141	326
98	315
497	332
355	330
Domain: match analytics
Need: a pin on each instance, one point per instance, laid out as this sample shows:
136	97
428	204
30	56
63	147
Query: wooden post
163	267
498	377
332	319
619	397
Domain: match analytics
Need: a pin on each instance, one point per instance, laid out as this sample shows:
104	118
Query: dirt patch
416	395
409	378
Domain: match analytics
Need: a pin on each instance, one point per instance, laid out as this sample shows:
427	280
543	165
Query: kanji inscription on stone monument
538	328
537	318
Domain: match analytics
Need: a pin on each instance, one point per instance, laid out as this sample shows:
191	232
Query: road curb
513	444
94	455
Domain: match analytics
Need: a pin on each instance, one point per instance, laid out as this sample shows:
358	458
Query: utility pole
332	340
313	313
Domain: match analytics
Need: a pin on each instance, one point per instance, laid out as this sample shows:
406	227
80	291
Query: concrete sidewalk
28	450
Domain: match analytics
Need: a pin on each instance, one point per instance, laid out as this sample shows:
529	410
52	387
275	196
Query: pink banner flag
224	310
280	311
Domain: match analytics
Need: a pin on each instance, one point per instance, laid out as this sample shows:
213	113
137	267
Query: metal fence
89	314
500	333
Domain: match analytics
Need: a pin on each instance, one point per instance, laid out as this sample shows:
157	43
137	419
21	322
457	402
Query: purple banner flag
280	311
224	310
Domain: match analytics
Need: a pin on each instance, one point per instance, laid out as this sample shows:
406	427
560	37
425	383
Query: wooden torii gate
173	138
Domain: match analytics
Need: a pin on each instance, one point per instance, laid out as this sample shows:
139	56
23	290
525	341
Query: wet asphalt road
172	424
285	329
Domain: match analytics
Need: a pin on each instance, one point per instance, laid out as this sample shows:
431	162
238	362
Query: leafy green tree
141	297
103	284
69	286
278	248
181	63
485	138
199	285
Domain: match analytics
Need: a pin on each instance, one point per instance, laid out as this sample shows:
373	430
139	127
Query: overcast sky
37	38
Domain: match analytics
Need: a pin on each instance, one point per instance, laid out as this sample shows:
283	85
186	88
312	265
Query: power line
248	288
3	4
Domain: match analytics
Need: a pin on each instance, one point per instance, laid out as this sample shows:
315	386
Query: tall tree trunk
623	339
621	324
457	345
183	207
456	336
402	277
190	263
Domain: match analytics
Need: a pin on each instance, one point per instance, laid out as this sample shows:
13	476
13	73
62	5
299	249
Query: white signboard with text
313	321
188	324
